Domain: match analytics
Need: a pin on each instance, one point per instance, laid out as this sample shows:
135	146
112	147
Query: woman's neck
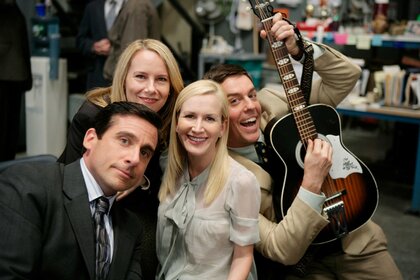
196	165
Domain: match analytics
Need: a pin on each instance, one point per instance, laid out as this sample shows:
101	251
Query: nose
150	86
198	125
133	156
249	104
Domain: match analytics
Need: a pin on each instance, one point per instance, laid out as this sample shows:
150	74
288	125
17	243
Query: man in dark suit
15	75
92	40
46	227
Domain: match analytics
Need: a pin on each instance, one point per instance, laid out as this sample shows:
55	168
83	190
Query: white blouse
195	241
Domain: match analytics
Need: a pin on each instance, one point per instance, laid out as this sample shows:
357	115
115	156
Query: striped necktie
103	249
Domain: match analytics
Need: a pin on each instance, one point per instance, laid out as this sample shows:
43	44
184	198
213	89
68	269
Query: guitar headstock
262	9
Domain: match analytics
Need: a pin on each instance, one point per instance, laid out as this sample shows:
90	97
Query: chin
252	137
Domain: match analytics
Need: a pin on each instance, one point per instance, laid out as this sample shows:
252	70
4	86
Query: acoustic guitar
350	188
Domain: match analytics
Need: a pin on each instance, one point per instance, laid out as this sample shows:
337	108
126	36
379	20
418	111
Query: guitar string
302	116
294	98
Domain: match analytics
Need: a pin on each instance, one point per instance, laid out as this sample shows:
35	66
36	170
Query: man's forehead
237	84
136	122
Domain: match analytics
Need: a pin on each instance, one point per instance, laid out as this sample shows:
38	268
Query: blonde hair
219	168
116	92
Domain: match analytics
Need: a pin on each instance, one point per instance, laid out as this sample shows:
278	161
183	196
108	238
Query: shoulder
241	175
31	179
238	169
273	104
89	107
86	112
35	170
263	178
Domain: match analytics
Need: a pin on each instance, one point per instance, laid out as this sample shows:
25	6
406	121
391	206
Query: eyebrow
233	94
195	113
135	138
149	148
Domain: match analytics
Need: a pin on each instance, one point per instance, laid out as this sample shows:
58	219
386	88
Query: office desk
397	115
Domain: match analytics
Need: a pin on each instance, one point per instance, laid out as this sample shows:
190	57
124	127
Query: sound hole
300	150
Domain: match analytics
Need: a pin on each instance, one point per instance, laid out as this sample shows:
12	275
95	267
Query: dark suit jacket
46	229
93	28
15	64
143	203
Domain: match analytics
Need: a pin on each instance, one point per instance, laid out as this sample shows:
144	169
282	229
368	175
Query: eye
233	101
124	141
140	76
253	95
146	153
210	119
162	79
189	116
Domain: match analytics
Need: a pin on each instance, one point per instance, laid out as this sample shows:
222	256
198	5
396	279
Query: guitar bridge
337	217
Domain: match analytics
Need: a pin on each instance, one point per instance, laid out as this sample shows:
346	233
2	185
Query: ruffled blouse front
196	241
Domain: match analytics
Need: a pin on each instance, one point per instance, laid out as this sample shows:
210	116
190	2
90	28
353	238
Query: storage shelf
376	40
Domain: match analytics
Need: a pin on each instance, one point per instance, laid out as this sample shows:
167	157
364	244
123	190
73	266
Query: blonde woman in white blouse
209	203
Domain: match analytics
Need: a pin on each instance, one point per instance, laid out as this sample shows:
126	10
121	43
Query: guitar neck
290	82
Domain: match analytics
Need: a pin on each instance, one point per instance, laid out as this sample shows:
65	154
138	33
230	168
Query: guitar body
350	186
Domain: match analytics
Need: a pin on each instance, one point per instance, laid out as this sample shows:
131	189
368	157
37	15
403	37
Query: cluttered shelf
365	40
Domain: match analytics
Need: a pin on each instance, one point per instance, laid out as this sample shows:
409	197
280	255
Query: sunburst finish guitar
350	188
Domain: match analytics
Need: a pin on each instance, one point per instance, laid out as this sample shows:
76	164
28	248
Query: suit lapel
76	203
124	242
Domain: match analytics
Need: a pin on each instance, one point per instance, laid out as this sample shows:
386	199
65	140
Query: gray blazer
46	229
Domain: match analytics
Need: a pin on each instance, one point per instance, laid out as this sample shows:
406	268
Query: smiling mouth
197	139
148	100
249	122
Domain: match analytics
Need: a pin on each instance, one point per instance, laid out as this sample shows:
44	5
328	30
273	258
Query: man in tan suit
359	255
137	19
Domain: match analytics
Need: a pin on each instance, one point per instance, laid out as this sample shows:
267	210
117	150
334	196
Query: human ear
90	138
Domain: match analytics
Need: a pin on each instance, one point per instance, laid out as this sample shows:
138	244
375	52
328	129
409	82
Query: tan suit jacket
138	19
287	241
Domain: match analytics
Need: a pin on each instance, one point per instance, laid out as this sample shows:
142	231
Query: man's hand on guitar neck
317	164
281	30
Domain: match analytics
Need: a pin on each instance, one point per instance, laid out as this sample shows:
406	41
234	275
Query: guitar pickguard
343	163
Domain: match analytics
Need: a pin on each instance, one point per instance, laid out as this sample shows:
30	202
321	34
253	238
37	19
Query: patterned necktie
111	15
103	249
261	150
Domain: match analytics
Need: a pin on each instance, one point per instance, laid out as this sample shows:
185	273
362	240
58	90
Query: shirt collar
93	188
249	151
118	5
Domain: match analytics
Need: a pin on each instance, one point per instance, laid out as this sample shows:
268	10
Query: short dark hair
220	72
103	119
